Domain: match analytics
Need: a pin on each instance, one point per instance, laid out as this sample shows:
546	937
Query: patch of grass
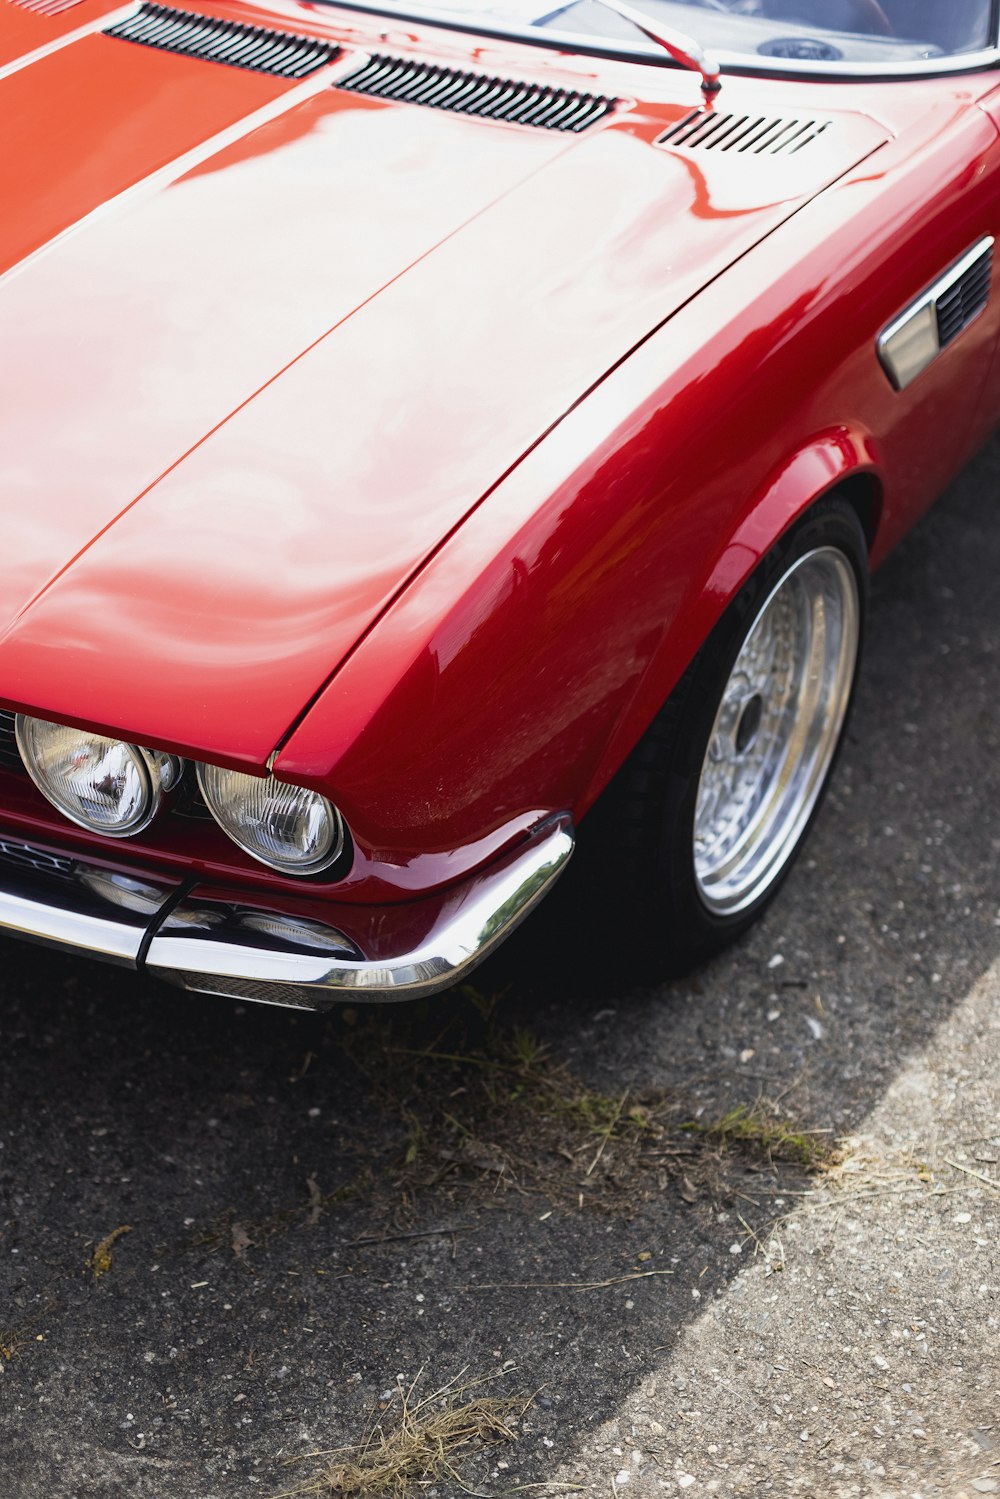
487	1107
761	1127
415	1442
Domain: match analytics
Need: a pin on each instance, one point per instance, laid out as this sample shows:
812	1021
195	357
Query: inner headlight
102	784
286	827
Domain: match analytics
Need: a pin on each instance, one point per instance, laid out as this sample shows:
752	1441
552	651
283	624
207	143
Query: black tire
670	905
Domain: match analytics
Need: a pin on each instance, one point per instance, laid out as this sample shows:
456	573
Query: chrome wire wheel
776	731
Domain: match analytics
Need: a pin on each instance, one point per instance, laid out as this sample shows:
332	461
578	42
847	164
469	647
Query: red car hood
264	346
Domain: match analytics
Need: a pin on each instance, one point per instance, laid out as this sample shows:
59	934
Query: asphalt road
226	1231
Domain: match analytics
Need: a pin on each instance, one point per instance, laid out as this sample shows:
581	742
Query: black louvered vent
10	758
255	47
46	7
957	306
762	135
474	94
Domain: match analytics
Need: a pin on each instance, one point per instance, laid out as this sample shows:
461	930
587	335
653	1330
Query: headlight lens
286	827
99	783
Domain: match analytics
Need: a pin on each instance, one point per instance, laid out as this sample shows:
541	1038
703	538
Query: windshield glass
786	33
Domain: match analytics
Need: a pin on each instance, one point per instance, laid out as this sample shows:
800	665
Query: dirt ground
736	1235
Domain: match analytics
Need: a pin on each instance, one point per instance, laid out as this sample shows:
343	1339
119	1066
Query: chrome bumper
213	943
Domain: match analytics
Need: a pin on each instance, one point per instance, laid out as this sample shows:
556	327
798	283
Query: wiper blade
682	48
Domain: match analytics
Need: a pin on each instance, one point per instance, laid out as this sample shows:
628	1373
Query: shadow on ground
309	1210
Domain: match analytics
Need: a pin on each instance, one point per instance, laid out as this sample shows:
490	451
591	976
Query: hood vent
254	47
965	299
759	134
474	94
45	7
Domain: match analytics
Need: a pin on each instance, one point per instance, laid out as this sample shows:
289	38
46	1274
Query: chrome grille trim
256	48
758	134
10	755
26	856
486	98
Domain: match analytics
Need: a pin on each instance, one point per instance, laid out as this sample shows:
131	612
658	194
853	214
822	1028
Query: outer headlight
286	827
99	783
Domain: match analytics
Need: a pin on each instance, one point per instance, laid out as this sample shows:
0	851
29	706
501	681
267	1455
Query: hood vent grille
761	135
253	47
45	7
964	300
474	94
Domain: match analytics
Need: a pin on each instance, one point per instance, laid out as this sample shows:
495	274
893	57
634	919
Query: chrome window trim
734	64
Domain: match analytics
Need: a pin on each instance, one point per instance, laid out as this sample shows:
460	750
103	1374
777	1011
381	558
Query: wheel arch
842	463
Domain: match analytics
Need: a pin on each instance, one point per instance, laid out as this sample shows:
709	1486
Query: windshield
798	34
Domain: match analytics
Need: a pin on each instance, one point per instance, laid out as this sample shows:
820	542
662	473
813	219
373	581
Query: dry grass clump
487	1107
414	1443
760	1126
99	1263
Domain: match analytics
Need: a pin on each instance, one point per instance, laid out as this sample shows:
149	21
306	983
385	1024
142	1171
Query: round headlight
286	827
102	784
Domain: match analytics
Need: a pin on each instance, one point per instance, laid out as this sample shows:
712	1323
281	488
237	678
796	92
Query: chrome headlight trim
156	772
334	842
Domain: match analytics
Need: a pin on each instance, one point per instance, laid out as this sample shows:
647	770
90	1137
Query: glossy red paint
425	452
620	540
326	490
26	35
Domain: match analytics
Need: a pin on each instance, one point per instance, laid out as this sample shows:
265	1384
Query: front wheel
711	810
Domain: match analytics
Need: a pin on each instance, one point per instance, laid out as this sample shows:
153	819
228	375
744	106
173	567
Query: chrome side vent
256	47
914	340
965	298
45	7
759	134
474	94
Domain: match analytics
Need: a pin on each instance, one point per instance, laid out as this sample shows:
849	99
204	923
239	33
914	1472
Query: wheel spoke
776	730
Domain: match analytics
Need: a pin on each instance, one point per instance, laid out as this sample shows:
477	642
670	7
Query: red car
419	426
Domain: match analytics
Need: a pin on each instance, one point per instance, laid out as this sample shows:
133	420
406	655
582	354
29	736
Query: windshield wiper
683	49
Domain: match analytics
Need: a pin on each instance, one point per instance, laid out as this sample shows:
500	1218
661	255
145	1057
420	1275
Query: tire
707	816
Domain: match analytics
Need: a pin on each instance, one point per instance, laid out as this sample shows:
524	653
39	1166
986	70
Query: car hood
265	345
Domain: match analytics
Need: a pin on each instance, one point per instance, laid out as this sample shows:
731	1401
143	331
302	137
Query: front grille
254	47
10	758
760	135
25	856
475	94
964	300
187	800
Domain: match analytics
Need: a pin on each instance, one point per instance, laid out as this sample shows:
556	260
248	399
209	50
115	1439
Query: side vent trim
957	303
761	135
475	94
257	48
914	340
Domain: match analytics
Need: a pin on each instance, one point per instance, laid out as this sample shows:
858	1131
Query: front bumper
215	942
